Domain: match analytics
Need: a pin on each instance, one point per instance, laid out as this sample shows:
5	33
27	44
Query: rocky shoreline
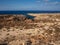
20	30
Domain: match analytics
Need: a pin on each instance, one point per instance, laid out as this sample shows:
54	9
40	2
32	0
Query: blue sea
25	12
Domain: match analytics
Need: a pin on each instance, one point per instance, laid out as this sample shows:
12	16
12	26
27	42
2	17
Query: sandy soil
44	29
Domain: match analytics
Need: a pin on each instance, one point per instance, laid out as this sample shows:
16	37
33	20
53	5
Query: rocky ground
44	29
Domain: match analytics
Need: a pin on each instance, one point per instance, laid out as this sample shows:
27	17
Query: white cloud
55	2
46	0
38	1
52	3
42	0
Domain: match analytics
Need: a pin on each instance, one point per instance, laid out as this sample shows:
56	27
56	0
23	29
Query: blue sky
53	5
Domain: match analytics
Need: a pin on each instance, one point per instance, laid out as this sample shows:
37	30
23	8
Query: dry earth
44	29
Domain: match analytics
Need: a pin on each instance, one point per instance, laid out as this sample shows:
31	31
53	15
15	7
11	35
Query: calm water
25	12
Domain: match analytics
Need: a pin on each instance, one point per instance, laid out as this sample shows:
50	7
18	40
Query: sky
52	5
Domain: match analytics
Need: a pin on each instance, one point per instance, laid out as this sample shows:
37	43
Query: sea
25	12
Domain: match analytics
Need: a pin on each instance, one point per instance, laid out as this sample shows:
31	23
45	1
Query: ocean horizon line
25	12
29	10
